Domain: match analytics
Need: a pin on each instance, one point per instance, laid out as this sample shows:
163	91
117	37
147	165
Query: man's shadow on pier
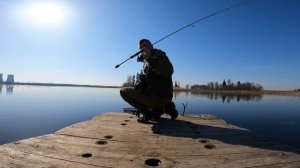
205	133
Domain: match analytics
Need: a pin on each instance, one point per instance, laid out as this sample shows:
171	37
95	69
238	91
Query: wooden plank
71	148
11	158
191	141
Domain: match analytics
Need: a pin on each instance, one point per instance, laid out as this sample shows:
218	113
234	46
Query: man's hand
140	58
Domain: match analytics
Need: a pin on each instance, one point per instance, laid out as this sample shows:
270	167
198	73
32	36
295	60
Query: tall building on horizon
10	78
1	78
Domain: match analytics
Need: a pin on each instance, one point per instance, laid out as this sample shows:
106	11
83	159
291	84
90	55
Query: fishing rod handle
134	55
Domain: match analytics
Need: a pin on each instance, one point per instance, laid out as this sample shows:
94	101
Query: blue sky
83	40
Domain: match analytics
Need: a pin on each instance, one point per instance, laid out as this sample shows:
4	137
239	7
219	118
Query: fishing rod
189	25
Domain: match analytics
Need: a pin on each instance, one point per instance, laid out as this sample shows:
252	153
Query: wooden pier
117	140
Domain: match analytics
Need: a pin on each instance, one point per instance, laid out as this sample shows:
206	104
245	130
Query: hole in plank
152	162
101	142
209	146
203	140
108	136
86	155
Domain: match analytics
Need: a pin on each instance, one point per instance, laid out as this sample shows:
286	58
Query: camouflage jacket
158	72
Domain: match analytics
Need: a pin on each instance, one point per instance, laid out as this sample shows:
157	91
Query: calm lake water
29	111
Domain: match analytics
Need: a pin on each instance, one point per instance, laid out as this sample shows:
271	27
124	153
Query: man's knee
122	93
125	92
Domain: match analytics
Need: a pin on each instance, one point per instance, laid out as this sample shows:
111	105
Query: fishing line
189	25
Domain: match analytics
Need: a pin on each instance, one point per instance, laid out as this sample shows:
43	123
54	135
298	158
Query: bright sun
46	14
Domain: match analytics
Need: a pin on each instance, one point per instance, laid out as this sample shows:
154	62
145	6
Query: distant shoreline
263	92
57	84
176	89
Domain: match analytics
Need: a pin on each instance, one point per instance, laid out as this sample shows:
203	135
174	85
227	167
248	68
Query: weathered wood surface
118	140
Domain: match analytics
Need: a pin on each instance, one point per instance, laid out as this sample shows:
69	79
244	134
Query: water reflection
224	97
9	89
0	89
31	111
177	94
42	110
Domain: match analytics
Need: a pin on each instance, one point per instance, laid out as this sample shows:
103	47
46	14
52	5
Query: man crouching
153	95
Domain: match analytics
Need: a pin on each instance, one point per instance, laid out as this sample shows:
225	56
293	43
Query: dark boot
138	113
145	118
171	110
151	114
155	114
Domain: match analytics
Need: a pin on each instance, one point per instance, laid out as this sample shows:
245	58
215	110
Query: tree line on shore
229	85
133	80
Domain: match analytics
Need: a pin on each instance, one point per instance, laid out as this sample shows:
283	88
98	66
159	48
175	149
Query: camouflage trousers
140	100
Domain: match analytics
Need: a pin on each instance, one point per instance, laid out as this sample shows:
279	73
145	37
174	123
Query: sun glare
46	14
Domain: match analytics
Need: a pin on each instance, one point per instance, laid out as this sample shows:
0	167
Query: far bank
176	89
263	92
